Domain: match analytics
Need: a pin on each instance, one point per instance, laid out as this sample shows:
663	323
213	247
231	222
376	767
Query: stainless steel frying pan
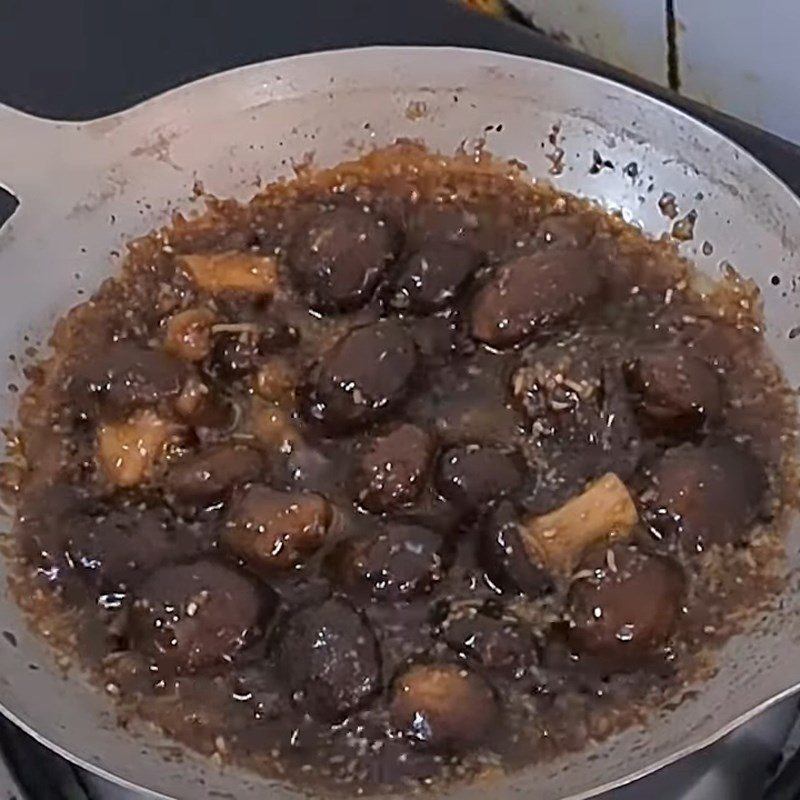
83	188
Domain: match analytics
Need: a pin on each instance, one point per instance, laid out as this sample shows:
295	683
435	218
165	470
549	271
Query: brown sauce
403	472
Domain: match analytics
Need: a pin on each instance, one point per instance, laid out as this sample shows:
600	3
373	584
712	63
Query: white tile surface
627	33
744	57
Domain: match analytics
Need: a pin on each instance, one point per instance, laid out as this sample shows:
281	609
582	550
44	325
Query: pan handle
32	153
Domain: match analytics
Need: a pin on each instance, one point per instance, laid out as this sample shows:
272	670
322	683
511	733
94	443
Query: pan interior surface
85	188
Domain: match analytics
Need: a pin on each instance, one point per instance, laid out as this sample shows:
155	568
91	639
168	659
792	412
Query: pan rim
147	106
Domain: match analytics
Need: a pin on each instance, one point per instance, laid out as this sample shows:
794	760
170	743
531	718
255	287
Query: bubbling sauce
403	472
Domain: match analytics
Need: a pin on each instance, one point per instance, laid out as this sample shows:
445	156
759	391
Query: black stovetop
87	58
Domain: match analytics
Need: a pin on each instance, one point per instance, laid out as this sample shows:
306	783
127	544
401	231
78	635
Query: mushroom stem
233	271
605	511
127	451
